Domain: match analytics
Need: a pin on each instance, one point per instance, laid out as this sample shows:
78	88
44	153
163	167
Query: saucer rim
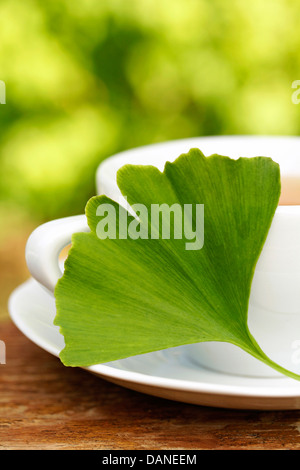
110	373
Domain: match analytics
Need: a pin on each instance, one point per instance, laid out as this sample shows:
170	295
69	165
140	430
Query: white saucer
168	374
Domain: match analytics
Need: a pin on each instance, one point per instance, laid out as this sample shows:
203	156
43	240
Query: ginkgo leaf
123	297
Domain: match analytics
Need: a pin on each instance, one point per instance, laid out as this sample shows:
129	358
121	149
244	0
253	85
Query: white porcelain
274	308
45	245
169	374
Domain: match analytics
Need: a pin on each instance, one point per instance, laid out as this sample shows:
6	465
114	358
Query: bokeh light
86	79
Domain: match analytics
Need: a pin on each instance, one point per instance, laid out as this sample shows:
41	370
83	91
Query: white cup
274	307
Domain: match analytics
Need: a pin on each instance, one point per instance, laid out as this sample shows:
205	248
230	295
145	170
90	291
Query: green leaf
123	297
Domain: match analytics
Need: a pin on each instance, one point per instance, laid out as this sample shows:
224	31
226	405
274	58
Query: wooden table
44	405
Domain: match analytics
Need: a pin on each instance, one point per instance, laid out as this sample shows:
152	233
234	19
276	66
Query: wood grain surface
44	405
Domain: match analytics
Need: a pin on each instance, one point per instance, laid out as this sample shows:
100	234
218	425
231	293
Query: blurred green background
88	78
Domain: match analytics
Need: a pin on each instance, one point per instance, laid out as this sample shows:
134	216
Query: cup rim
107	170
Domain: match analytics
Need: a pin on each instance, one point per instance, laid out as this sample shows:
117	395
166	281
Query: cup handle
46	243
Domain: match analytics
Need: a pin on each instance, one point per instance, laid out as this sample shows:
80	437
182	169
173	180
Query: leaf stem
255	350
